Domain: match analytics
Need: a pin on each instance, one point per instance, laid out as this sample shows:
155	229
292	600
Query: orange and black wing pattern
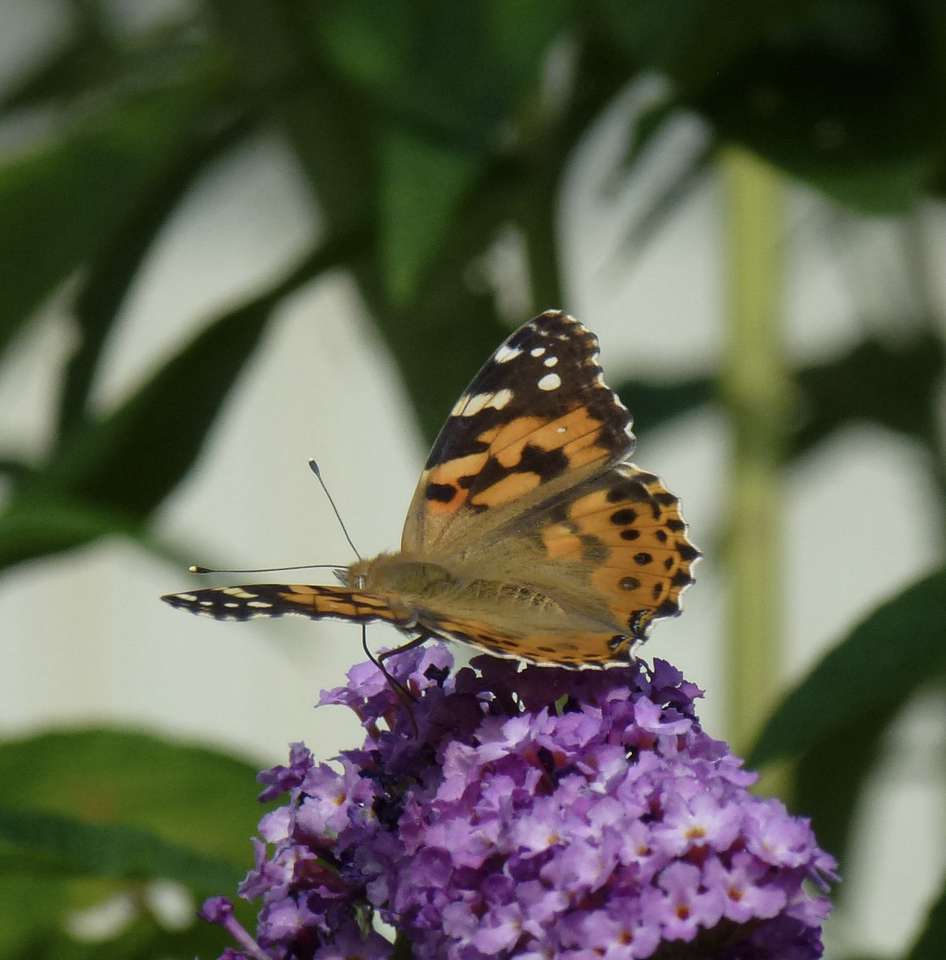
576	649
276	599
624	531
538	417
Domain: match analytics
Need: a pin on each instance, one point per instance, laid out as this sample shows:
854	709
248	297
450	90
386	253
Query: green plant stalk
755	392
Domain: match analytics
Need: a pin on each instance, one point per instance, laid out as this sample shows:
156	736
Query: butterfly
530	535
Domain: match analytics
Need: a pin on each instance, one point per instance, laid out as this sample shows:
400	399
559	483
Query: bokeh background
234	235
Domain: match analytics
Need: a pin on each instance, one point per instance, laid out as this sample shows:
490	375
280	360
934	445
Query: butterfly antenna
195	568
314	467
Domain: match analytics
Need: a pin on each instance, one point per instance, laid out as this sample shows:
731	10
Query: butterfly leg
407	698
404	647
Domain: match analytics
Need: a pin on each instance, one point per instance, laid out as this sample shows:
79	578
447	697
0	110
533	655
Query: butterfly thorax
401	575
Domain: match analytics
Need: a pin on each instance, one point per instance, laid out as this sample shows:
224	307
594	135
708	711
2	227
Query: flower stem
756	394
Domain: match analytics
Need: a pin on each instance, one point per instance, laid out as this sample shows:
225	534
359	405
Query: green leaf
422	184
106	850
890	382
858	126
88	814
655	402
16	468
647	128
133	457
193	797
58	202
448	309
873	671
453	71
114	471
45	525
844	94
281	48
31	904
448	312
931	943
38	527
829	779
78	63
143	939
691	40
115	268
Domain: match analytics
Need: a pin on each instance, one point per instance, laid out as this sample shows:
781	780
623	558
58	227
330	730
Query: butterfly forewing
276	599
537	418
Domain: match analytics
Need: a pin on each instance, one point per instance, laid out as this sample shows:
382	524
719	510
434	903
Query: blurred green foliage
90	815
423	129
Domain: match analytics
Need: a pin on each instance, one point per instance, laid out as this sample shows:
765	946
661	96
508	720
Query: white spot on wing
189	597
551	381
480	401
500	398
506	353
536	351
231	605
550	361
475	404
258	603
238	592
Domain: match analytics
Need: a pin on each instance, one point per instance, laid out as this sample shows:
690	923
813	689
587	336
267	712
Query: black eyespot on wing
686	550
443	492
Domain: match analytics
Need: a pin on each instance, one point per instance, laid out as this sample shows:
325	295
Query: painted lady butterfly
530	535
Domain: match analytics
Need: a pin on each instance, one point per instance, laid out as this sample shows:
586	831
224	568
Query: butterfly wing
621	539
276	599
582	576
577	649
529	484
536	420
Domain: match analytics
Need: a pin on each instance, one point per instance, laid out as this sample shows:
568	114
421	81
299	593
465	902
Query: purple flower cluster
530	813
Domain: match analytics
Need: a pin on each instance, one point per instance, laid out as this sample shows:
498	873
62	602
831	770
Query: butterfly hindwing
276	599
536	418
626	536
564	648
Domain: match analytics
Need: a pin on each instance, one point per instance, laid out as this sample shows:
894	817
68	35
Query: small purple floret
536	813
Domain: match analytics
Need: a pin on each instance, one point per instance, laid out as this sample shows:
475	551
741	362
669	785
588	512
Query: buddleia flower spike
538	813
